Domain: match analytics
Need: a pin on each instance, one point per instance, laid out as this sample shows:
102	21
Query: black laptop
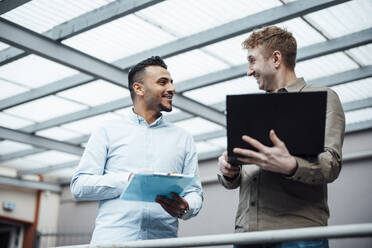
297	118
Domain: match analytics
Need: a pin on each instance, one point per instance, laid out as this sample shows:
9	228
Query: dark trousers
291	244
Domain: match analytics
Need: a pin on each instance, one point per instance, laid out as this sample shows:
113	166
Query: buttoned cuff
230	184
194	205
304	172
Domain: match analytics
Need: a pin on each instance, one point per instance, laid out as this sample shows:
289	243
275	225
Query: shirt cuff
230	184
194	200
303	172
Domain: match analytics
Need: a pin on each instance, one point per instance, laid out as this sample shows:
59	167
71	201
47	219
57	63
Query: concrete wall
350	200
24	199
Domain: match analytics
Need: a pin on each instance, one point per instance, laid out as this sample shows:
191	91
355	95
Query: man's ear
138	88
277	58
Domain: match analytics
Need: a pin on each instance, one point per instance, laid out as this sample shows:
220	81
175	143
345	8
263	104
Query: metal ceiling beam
210	135
343	43
81	23
50	49
231	29
193	107
50	168
30	151
11	181
20	154
225	31
202	156
205	80
312	51
358	104
55	87
100	109
174	117
305	53
344	77
8	5
33	42
355	127
71	164
215	77
26	138
335	79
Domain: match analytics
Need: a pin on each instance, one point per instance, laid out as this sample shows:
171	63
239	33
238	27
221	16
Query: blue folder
145	187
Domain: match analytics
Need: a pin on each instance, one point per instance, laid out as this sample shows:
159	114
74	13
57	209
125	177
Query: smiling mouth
168	97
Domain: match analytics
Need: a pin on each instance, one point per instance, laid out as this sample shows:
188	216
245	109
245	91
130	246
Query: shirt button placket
253	205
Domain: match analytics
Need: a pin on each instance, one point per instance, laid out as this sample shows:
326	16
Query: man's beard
164	108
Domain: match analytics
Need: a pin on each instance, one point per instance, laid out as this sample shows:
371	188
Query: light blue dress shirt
120	147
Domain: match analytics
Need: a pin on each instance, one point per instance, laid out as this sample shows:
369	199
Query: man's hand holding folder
160	187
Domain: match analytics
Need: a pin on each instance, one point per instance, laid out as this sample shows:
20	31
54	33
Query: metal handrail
338	231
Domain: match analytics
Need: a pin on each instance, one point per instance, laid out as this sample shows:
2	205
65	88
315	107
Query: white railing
340	231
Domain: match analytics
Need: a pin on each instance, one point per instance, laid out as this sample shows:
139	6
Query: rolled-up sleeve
89	181
326	167
194	194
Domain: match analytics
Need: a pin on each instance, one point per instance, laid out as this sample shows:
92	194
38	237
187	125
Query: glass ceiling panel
362	54
36	71
343	19
42	15
63	173
3	46
230	50
53	157
22	164
353	91
40	160
124	111
358	116
9	172
304	33
45	108
58	133
184	18
119	38
95	93
202	147
192	64
324	66
8	146
220	142
13	122
198	125
86	126
217	93
9	89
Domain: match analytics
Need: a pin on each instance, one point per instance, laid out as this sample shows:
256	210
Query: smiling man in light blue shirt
141	142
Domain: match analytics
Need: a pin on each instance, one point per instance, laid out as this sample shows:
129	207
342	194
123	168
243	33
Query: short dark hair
136	72
274	38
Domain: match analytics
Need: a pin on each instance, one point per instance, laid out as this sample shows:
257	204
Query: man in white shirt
141	142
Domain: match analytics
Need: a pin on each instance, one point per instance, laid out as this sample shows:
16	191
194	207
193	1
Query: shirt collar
141	121
296	85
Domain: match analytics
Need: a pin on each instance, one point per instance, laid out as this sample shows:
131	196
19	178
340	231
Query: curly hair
274	38
136	72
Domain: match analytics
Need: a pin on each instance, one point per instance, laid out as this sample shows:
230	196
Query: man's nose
171	88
